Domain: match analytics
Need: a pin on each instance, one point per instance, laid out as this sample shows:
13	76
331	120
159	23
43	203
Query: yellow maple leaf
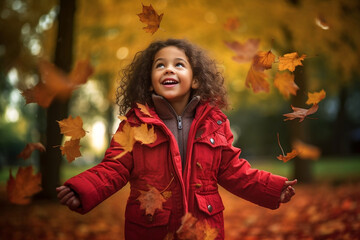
144	135
72	127
151	18
290	61
257	80
71	149
316	97
263	60
125	138
23	186
151	200
144	109
284	82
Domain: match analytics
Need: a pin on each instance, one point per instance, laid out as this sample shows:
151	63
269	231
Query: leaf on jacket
288	156
144	109
263	60
307	151
290	61
316	97
245	52
144	135
193	229
29	148
23	186
301	113
232	24
72	127
284	82
150	17
257	80
71	149
151	200
56	83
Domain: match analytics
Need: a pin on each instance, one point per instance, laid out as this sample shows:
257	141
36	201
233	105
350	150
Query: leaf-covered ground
316	212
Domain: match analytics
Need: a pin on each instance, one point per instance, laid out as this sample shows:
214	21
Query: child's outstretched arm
288	191
68	197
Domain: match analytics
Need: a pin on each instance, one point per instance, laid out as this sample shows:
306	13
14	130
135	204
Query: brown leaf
151	200
72	127
232	24
39	94
29	148
263	60
257	80
288	156
300	113
71	149
23	186
316	97
284	82
244	52
151	18
290	61
82	71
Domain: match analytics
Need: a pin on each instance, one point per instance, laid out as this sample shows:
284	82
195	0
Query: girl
192	154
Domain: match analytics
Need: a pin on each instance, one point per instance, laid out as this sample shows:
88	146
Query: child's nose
169	69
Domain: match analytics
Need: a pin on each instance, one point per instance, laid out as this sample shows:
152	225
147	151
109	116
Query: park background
108	33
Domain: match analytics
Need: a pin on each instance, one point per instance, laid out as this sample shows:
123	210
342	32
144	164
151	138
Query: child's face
172	75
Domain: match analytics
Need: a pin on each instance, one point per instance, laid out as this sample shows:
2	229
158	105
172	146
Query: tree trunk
50	161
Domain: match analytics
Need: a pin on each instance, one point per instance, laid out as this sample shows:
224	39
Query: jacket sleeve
101	181
237	176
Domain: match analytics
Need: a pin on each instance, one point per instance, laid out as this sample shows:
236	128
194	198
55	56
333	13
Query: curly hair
136	80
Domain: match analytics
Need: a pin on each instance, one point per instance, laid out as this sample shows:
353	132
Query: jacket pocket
210	204
137	216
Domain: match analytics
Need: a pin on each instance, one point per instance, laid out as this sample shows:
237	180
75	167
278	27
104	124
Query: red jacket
211	160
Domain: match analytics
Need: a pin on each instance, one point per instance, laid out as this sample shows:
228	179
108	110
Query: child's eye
180	64
159	65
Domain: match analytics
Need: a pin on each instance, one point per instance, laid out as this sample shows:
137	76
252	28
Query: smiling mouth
169	82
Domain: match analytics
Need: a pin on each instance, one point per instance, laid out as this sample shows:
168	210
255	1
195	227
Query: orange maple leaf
71	149
301	113
193	229
316	97
151	18
39	94
232	24
263	60
72	127
244	52
151	200
290	61
285	83
23	186
307	151
144	109
144	135
29	148
257	80
288	156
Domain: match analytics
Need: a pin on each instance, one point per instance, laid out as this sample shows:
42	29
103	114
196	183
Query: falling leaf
151	18
193	229
82	71
257	80
151	200
307	151
144	109
244	52
71	149
125	138
300	113
285	83
288	156
23	186
232	24
316	97
144	135
39	94
29	148
263	60
290	61
72	127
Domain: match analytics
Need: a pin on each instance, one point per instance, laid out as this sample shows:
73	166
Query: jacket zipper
179	121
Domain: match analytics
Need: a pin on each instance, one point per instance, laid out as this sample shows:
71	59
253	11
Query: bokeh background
109	34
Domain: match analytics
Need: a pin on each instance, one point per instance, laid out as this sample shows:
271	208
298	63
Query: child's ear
195	84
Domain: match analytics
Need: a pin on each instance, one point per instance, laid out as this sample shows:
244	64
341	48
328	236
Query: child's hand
288	191
68	197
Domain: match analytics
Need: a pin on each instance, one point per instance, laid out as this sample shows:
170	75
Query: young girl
192	154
